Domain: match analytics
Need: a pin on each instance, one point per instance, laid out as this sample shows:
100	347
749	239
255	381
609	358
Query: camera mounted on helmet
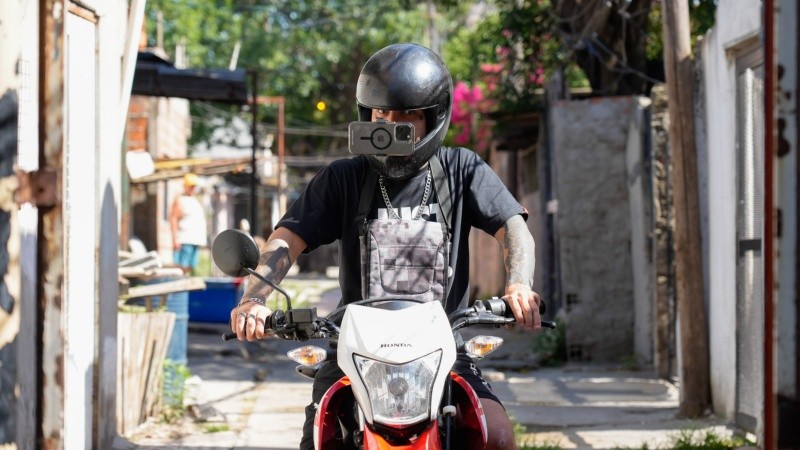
407	77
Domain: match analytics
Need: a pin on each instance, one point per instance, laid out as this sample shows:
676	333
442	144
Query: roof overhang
157	77
176	168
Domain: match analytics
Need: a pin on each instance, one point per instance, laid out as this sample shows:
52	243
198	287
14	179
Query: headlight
400	394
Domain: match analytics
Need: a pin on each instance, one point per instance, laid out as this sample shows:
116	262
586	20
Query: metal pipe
254	133
770	84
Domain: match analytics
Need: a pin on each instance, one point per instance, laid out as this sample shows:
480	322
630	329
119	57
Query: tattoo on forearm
518	252
274	265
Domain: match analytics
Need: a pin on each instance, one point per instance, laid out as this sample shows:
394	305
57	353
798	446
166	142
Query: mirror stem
273	285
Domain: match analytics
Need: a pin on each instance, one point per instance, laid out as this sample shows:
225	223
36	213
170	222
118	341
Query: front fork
448	414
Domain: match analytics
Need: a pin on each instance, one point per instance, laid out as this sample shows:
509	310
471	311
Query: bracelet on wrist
260	301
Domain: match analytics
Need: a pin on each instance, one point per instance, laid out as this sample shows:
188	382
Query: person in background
188	224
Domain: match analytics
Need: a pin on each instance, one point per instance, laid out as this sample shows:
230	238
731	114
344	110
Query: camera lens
402	133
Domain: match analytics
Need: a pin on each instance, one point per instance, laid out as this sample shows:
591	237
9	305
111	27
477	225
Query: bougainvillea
471	105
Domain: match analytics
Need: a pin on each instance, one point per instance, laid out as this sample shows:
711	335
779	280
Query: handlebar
493	311
299	324
303	323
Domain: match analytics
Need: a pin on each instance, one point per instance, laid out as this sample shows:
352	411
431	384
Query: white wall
92	174
80	228
737	22
113	15
605	272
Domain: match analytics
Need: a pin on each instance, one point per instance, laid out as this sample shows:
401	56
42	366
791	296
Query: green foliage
304	50
701	19
216	428
204	264
467	50
525	441
131	308
629	362
694	439
687	439
705	440
311	50
550	346
525	40
533	444
174	391
510	52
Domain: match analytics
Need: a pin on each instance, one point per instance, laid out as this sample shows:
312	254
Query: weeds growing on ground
551	346
527	443
691	439
705	440
216	428
174	391
534	445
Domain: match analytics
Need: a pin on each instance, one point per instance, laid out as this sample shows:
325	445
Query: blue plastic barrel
178	303
214	304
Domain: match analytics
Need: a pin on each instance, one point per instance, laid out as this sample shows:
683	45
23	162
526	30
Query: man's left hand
525	305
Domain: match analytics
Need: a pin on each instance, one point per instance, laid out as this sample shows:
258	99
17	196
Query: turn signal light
308	355
480	346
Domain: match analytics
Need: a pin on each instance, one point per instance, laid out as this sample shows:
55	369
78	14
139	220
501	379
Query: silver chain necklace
392	212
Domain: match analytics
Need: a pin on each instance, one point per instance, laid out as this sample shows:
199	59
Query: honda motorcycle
398	391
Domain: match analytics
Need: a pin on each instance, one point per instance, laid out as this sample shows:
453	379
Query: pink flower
491	68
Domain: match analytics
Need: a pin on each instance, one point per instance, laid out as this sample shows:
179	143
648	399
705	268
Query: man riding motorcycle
402	222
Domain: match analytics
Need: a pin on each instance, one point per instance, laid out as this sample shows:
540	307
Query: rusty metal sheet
51	247
38	188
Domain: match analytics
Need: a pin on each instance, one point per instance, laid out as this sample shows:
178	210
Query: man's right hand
248	320
278	255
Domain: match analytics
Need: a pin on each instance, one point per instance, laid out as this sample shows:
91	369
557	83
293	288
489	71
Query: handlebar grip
270	323
499	307
228	336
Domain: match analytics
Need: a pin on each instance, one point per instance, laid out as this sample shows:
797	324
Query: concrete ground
247	396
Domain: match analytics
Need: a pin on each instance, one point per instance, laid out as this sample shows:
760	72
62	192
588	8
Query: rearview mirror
234	251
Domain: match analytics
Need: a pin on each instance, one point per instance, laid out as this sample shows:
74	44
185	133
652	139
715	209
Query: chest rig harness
402	258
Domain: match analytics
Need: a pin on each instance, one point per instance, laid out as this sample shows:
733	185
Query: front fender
326	420
472	431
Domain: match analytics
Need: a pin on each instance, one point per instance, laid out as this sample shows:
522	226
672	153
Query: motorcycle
398	391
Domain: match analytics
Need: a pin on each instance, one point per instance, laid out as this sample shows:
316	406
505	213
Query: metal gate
749	240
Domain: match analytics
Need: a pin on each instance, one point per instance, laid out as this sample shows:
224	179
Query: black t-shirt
326	212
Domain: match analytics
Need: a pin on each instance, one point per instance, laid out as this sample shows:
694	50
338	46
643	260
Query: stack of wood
146	268
144	337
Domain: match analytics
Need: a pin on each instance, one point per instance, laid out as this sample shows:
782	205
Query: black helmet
404	77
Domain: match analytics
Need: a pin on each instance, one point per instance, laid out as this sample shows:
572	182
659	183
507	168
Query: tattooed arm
519	259
277	256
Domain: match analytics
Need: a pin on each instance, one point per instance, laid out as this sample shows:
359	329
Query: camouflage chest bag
403	258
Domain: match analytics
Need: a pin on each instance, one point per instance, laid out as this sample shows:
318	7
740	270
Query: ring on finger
241	314
251	316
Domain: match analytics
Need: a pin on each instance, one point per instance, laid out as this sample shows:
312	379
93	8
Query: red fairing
428	440
469	430
325	421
